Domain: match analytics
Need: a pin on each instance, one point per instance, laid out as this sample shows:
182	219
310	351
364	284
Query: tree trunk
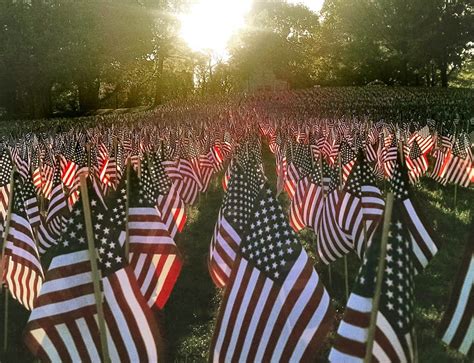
158	84
88	95
444	74
41	101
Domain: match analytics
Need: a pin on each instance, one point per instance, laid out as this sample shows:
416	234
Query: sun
209	24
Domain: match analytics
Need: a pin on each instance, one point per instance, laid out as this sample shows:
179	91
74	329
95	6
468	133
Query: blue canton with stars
269	242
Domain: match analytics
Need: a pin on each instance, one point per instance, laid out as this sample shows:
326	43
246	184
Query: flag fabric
348	160
168	200
417	163
332	241
275	308
360	206
458	166
425	242
394	332
63	325
6	167
234	215
23	272
31	202
154	257
457	326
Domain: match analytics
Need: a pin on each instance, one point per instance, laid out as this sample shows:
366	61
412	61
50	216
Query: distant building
265	80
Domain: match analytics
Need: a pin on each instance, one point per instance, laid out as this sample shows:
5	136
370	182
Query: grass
189	316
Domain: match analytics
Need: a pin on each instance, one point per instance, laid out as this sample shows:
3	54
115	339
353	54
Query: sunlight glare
209	24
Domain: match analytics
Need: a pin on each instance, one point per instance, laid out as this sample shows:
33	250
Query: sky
222	19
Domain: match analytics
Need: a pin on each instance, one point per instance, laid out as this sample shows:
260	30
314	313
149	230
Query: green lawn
188	318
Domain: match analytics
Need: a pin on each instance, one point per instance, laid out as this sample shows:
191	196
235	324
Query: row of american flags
275	307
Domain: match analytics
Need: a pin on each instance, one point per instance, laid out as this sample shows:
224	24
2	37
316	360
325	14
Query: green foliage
73	57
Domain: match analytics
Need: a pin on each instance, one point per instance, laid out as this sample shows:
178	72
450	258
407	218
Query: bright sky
209	24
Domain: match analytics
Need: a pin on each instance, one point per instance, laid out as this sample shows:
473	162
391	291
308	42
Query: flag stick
5	324
127	207
2	262
346	276
378	282
94	269
7	226
324	198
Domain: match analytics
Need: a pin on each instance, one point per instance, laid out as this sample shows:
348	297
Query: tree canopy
72	57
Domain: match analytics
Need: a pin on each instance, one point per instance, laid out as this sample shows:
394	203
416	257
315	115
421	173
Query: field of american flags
189	316
192	307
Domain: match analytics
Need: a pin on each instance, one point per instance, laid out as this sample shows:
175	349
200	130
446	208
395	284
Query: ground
188	318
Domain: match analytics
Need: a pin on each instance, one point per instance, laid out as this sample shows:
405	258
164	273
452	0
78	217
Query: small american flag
154	257
394	323
234	215
23	271
457	329
275	308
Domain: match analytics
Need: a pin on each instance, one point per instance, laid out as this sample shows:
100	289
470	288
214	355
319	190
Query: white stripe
69	259
68	341
87	338
240	316
255	318
313	324
62	307
162	277
228	306
468	339
384	325
419	226
118	316
312	327
139	316
70	281
285	290
165	240
150	273
461	304
339	357
42	339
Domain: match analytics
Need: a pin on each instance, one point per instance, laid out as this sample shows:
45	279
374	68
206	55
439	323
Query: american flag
275	308
332	241
389	154
63	325
291	173
348	160
154	257
439	156
306	208
417	162
458	166
424	242
23	272
234	216
6	168
31	202
360	206
168	200
457	329
68	166
394	322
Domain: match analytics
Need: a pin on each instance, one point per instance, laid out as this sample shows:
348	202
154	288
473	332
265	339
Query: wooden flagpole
94	269
2	260
324	199
7	226
346	275
127	207
379	280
